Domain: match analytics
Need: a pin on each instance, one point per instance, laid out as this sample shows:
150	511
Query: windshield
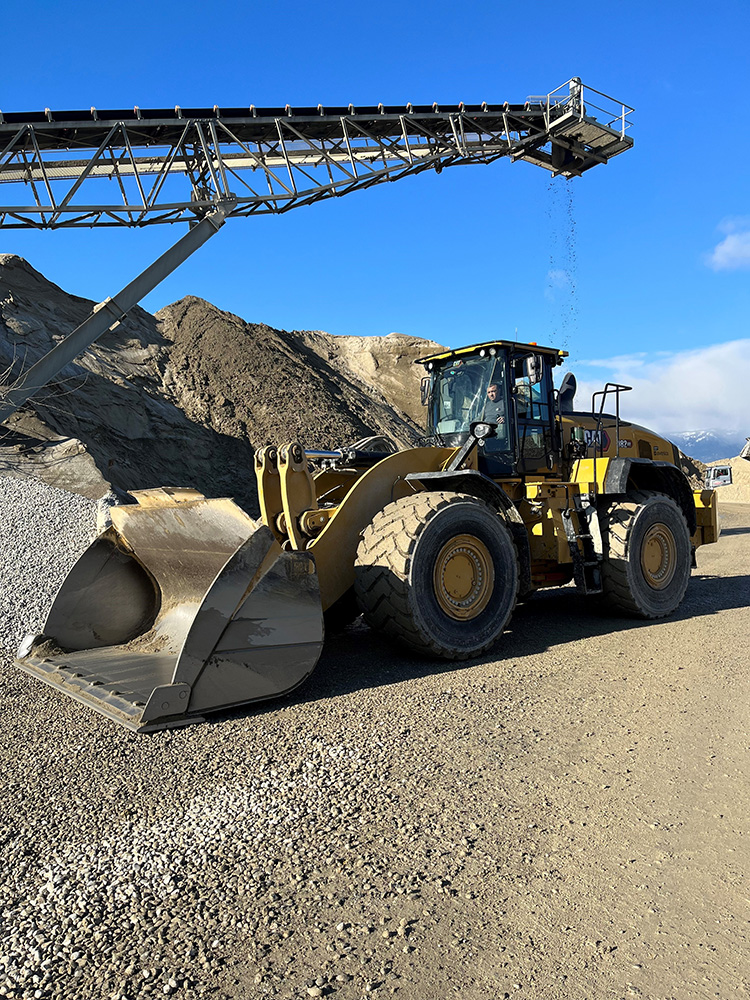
463	391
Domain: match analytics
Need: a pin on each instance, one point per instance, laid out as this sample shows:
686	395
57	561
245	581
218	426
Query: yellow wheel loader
185	605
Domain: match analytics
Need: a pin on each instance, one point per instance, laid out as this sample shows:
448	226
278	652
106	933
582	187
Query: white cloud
733	252
558	279
734	223
705	388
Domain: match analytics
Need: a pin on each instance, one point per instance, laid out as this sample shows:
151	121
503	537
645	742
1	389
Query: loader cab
504	383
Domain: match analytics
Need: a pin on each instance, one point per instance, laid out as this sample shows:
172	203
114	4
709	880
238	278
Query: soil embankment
184	397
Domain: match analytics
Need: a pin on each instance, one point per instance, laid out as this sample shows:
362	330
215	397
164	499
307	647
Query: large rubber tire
439	572
647	555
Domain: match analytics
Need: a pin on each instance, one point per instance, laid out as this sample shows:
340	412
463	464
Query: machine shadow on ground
358	658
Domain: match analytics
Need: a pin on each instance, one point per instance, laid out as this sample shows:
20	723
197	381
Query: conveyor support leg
109	313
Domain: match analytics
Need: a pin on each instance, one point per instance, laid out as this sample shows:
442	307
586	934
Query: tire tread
617	522
383	565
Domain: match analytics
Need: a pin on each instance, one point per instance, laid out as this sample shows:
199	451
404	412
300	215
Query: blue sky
657	289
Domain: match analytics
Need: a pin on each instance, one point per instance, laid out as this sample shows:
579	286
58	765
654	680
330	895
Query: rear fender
660	477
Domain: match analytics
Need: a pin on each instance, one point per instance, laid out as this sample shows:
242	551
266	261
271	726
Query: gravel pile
182	398
251	382
43	530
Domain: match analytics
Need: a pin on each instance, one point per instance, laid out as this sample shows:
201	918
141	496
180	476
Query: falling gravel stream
562	275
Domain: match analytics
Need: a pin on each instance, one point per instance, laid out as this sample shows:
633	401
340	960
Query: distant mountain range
710	446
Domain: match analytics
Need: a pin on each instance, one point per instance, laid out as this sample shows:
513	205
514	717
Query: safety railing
586	102
609	387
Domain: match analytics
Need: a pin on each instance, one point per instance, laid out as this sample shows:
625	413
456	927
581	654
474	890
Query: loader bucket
183	606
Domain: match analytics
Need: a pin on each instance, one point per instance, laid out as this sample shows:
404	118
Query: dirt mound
248	380
184	397
110	399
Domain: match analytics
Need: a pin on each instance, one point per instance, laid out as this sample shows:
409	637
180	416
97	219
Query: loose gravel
566	821
269	853
43	530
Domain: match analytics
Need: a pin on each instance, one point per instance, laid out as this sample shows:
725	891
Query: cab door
536	438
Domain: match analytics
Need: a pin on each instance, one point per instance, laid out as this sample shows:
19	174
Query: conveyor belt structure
201	166
147	166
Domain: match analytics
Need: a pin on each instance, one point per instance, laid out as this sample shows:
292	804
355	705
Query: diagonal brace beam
110	312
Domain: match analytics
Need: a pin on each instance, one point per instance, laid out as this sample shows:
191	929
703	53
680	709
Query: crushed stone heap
250	380
183	398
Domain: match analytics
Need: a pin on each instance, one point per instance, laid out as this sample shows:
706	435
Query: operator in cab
494	410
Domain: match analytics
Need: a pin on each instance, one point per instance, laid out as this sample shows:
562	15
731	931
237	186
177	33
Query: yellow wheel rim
464	577
658	556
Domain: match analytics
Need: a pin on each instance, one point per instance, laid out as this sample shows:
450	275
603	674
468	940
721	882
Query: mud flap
181	608
707	517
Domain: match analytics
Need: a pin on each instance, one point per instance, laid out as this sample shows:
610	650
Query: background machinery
718	475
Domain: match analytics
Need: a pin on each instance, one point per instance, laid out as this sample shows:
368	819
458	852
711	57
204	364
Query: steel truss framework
137	168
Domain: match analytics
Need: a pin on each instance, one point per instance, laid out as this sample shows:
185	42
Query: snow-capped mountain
711	445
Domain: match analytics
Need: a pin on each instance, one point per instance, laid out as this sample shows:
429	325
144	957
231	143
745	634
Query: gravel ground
43	530
567	822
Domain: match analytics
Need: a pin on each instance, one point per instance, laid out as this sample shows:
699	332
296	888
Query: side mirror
532	369
424	389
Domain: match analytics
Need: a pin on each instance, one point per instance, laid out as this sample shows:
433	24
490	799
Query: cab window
531	393
467	390
528	388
